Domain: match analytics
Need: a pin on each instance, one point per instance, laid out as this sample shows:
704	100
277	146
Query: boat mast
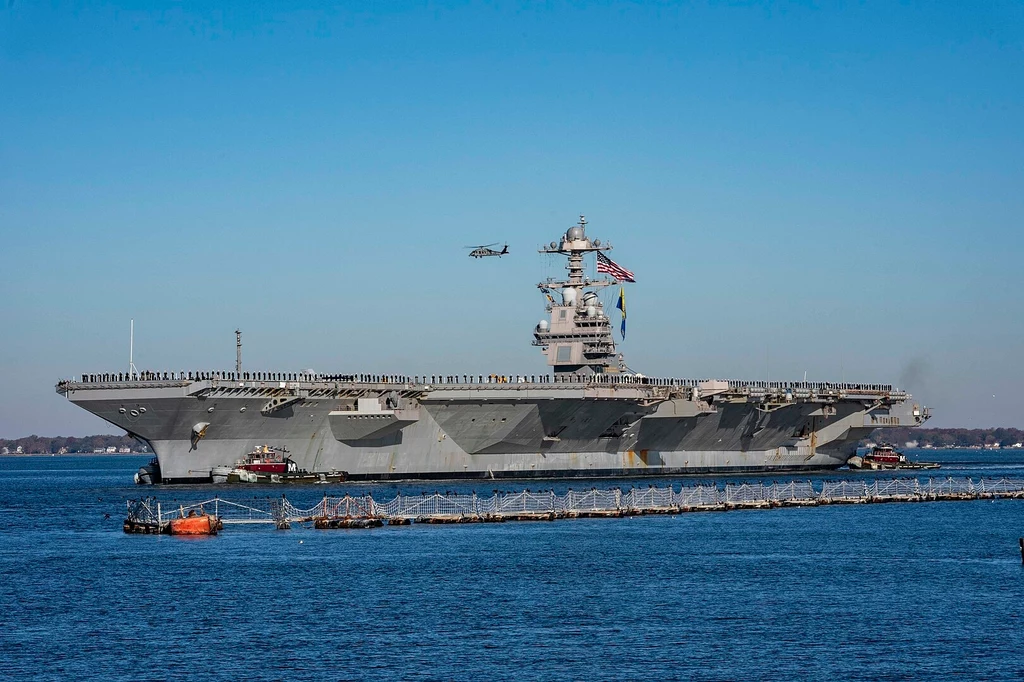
578	337
131	351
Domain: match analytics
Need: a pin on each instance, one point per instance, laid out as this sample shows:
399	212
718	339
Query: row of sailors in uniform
113	377
569	378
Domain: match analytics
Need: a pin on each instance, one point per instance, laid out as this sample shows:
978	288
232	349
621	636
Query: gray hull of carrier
397	427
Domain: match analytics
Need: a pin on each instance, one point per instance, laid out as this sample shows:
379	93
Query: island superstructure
589	416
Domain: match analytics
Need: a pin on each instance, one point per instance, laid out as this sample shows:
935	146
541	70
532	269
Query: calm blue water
911	591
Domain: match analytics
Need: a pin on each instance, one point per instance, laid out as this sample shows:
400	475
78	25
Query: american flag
608	266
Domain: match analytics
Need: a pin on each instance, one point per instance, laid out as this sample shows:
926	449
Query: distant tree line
46	445
946	438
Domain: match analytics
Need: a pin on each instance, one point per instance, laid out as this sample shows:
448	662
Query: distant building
98	451
910	444
112	450
62	451
1017	445
124	451
5	451
19	450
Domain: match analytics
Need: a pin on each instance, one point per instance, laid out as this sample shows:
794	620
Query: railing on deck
797	388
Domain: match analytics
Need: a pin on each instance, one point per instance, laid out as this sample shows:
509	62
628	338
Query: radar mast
578	336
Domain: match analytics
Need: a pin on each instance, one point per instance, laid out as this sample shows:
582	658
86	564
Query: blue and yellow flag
621	305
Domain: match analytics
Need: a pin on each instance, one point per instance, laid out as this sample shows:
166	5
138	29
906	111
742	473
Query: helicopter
484	250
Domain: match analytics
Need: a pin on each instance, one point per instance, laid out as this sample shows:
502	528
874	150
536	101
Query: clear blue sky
836	189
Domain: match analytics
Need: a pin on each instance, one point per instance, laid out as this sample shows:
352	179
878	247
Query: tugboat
266	464
886	456
267	460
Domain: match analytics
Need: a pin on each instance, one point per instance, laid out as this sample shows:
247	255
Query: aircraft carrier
587	416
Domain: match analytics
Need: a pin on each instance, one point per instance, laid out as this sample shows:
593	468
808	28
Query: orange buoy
203	524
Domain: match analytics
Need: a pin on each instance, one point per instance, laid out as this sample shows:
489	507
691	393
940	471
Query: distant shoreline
77	454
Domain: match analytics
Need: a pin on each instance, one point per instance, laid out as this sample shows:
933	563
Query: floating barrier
363	511
147	516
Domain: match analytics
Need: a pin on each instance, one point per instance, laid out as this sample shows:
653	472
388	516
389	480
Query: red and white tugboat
268	464
267	460
885	456
264	462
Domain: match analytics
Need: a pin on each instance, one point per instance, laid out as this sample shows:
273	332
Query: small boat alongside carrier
148	474
885	457
267	464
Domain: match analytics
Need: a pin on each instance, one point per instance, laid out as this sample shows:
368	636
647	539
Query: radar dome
542	325
568	297
575	233
591	311
597	242
554	245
